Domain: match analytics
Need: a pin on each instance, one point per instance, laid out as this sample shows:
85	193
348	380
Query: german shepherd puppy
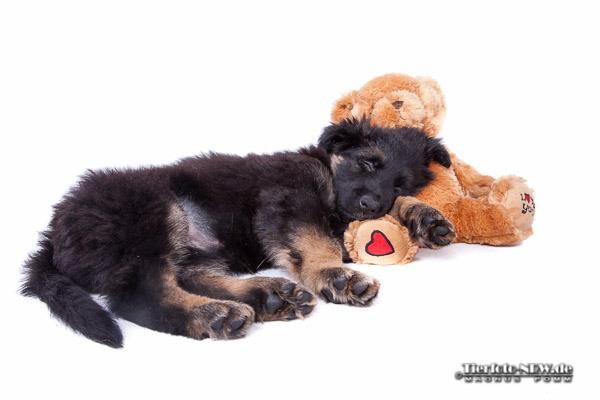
163	245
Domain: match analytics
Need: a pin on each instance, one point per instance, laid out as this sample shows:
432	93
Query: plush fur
481	208
163	245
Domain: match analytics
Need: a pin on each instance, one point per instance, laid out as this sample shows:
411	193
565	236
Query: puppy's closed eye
366	165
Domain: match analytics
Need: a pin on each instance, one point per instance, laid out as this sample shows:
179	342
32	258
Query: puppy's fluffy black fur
375	165
123	233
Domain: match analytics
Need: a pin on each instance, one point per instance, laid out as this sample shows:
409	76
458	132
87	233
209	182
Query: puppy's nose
369	204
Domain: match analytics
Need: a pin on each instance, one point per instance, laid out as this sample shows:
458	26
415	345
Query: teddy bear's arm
426	225
472	182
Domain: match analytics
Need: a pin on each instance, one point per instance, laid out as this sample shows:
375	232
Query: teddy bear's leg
473	183
381	241
512	193
497	212
477	221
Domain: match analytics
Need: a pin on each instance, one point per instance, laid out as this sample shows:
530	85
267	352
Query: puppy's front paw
429	227
286	301
346	286
221	320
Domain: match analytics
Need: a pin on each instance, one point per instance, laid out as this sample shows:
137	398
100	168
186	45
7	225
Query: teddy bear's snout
402	108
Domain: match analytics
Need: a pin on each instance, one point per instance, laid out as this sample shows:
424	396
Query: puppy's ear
343	136
436	151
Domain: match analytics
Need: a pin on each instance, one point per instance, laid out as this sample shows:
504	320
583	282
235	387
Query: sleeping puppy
164	245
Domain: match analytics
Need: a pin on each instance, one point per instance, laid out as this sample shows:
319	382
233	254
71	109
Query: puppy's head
372	166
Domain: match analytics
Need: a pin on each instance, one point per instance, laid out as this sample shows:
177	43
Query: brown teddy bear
482	209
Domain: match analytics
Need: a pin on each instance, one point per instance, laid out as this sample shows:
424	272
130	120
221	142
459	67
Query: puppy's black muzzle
369	205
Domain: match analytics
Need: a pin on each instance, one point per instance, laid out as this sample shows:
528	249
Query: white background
123	83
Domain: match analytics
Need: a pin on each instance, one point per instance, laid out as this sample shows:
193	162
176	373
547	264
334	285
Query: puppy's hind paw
288	301
345	286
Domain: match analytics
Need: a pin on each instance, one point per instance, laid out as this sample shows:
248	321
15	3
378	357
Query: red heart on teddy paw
379	245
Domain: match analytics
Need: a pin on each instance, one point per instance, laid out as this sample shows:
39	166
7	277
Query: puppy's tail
67	301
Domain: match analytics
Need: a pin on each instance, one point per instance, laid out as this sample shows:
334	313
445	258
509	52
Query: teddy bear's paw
429	227
345	286
516	198
381	241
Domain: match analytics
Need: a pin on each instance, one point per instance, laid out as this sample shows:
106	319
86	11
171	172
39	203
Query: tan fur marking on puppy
319	265
260	293
323	272
203	312
317	249
175	295
235	286
335	161
281	257
190	226
178	226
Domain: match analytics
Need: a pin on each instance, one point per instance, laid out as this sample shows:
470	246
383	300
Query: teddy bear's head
394	101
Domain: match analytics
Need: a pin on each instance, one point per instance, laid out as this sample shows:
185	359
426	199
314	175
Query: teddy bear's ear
345	135
435	106
436	151
342	109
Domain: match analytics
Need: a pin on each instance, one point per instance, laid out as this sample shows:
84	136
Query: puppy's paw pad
286	301
222	320
346	286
